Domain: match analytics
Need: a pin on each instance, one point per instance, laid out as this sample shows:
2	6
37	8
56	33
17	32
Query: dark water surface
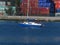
11	33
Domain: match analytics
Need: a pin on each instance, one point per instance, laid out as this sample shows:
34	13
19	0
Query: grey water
11	33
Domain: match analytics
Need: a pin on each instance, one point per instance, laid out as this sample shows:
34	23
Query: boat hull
27	25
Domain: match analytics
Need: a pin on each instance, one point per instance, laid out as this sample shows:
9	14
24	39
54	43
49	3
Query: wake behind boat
30	24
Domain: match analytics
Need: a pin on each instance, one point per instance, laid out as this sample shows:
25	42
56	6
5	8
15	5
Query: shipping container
44	4
57	5
24	1
46	1
56	0
35	7
44	10
42	0
57	10
57	14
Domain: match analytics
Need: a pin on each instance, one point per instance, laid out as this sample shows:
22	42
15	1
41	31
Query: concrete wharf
30	17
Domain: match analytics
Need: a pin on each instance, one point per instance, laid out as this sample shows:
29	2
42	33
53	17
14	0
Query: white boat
30	24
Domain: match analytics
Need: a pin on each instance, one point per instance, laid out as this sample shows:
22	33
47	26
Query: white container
57	14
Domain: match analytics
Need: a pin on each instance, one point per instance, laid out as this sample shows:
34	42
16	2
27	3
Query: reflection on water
13	34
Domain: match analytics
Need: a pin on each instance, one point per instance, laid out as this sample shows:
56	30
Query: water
11	33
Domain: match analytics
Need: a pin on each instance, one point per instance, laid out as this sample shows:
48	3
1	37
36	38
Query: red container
33	8
44	10
57	5
37	11
25	1
33	4
32	11
56	1
24	11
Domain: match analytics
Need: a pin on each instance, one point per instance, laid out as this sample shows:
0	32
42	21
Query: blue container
44	0
48	0
57	10
44	4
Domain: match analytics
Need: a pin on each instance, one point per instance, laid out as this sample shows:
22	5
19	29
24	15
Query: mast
28	8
